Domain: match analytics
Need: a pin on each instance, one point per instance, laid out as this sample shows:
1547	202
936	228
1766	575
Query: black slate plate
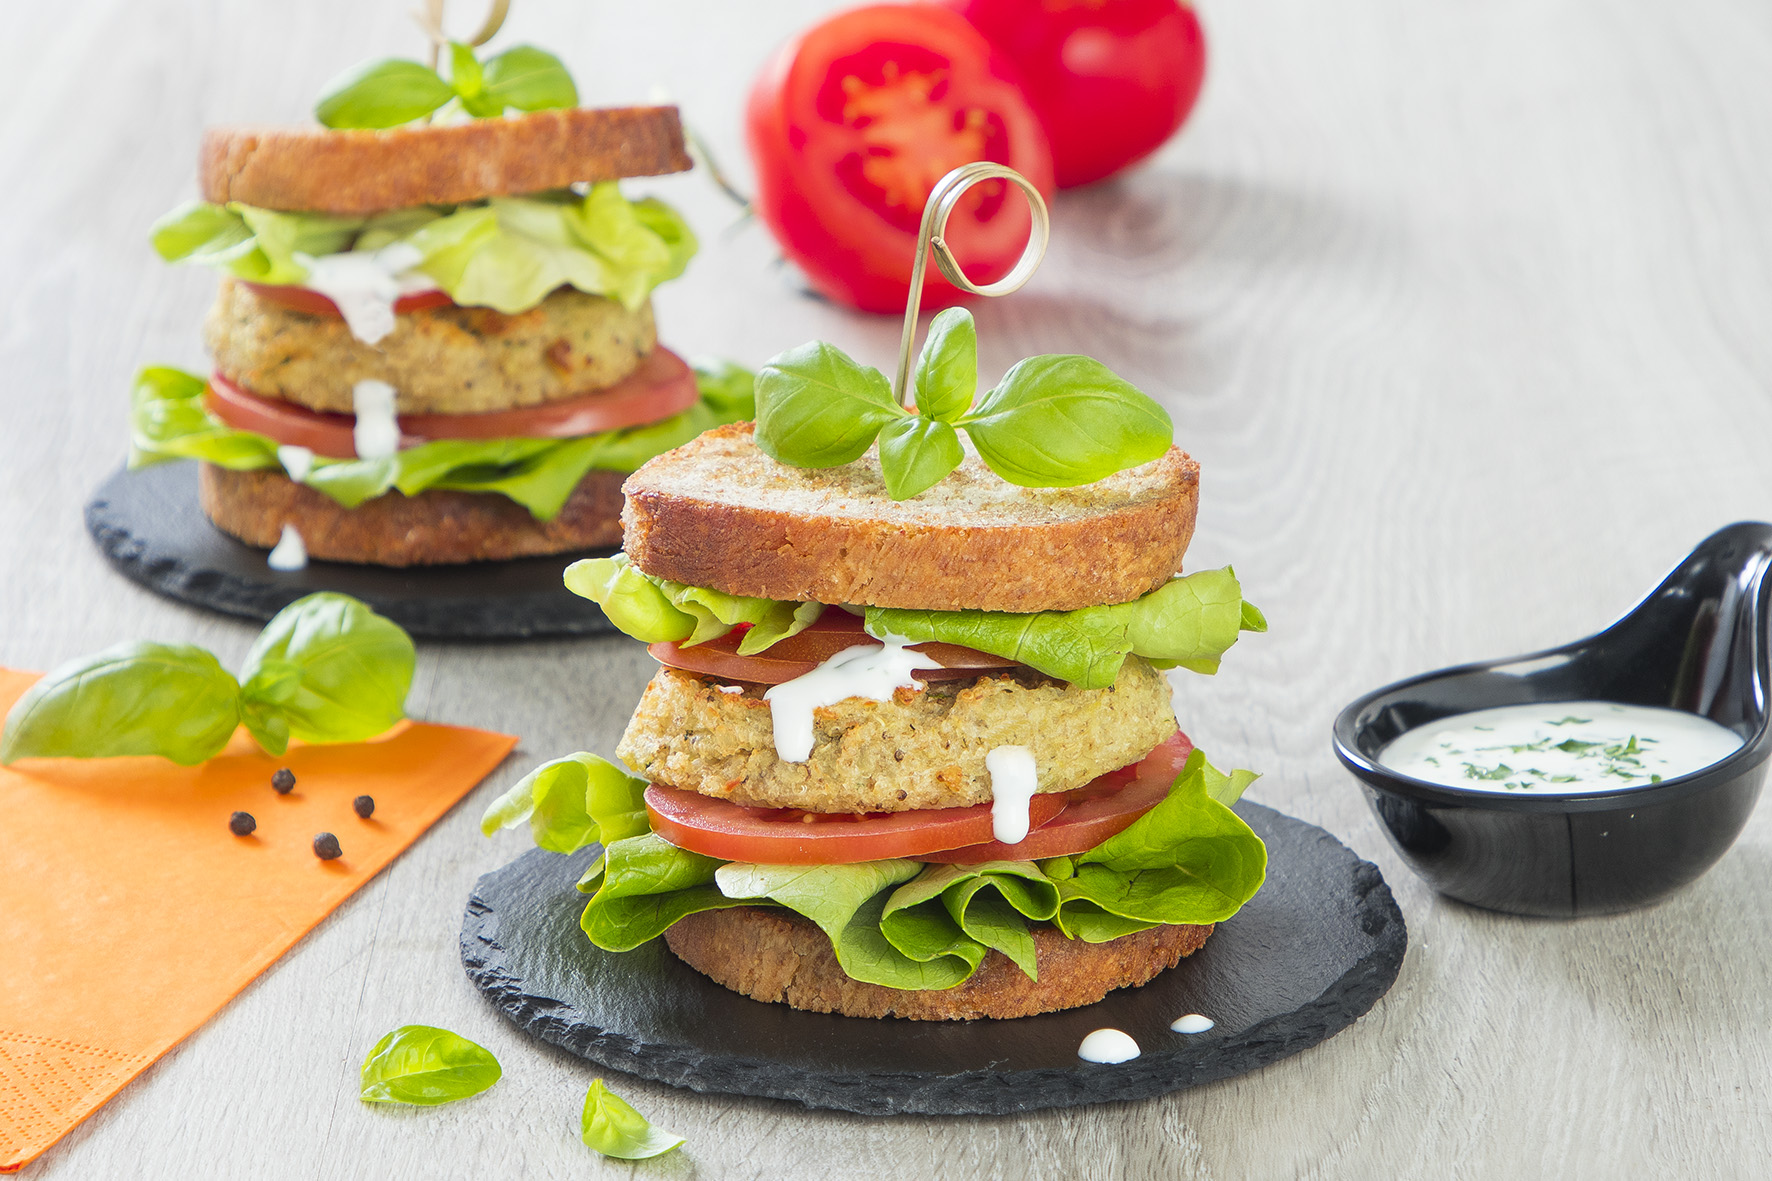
150	526
1314	949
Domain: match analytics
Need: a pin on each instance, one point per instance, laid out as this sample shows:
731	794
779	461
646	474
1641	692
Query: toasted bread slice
775	955
434	528
318	170
717	512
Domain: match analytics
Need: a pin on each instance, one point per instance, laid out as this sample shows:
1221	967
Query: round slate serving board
150	526
1312	951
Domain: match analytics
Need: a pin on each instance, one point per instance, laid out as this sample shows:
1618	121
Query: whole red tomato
851	124
1112	79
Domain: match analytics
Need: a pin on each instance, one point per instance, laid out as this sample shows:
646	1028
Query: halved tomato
1095	812
306	299
663	385
798	655
788	836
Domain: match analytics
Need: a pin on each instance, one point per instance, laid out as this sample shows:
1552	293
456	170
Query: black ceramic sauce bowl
1697	643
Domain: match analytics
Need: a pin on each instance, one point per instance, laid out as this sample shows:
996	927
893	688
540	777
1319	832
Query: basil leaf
384	93
469	83
136	698
817	407
1057	421
916	453
326	669
529	79
424	1066
947	368
610	1126
727	387
572	802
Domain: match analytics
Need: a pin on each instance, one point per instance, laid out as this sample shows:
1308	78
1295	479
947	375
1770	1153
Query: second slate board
1314	949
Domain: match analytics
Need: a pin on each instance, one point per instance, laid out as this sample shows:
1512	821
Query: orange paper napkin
106	863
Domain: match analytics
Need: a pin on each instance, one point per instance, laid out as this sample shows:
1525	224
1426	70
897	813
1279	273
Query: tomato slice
788	836
663	385
1096	811
798	655
1111	81
851	124
306	299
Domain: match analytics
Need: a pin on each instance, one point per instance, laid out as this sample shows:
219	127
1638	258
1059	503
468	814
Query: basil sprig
423	1066
392	91
612	1127
325	669
1054	421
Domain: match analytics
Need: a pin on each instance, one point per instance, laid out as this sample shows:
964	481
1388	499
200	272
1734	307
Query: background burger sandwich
912	751
433	340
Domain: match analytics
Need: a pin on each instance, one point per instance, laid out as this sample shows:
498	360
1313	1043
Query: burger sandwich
433	340
911	751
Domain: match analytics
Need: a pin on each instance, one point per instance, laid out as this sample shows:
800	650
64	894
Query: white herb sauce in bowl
1560	747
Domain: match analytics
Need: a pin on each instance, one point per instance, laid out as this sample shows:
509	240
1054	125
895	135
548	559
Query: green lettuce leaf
169	421
648	884
506	253
572	802
988	904
655	609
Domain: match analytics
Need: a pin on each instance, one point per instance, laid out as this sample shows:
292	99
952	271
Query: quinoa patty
920	750
448	360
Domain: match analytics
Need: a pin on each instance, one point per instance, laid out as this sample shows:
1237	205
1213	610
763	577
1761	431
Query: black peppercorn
326	847
283	782
241	824
365	806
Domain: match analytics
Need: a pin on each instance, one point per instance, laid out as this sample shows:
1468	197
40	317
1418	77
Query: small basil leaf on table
818	407
529	79
384	93
1057	421
353	667
424	1066
916	453
612	1127
947	368
136	698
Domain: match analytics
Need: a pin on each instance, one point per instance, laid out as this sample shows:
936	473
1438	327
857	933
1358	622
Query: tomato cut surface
798	655
1093	813
663	385
788	836
306	299
851	124
1110	79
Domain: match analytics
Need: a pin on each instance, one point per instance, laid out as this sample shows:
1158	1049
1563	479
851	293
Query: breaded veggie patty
920	750
448	360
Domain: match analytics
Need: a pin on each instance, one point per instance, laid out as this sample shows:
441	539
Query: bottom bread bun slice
778	956
437	527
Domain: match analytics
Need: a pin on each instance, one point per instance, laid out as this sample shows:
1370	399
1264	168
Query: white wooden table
1463	308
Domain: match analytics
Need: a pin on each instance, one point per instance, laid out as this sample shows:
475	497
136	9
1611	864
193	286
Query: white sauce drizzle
730	688
289	553
1014	779
377	432
297	461
1192	1023
1560	747
865	670
1107	1045
365	283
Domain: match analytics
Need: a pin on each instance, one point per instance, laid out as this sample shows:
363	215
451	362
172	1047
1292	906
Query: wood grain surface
1462	307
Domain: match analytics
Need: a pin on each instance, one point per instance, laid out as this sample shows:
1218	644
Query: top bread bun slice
356	172
719	513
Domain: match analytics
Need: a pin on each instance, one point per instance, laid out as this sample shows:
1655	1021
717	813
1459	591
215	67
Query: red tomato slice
851	124
1111	79
788	836
306	299
663	385
798	655
1096	811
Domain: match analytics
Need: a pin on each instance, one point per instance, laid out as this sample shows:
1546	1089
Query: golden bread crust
447	360
354	172
919	750
717	512
432	528
776	955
